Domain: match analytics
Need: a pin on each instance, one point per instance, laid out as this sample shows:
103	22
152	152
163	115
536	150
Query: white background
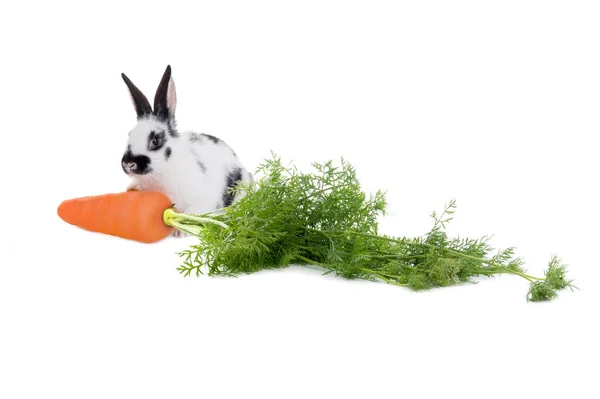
494	105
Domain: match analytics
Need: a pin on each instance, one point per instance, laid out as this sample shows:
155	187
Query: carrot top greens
324	218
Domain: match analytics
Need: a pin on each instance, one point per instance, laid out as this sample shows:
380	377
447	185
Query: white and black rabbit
195	170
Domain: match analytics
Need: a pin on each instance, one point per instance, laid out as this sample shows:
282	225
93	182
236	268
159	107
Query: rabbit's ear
140	102
165	99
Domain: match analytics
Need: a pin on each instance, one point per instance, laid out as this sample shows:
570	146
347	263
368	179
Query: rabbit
194	170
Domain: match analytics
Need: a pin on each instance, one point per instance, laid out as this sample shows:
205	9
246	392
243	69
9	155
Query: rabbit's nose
129	166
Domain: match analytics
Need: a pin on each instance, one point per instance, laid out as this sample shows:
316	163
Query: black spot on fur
142	162
214	139
156	140
171	128
195	137
233	178
167	153
202	166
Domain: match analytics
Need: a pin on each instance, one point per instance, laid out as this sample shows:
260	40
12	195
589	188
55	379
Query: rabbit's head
148	146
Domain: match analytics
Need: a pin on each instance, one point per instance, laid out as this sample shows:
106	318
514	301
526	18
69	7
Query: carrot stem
188	223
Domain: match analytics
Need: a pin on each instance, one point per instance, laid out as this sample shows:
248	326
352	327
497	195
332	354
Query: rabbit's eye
156	141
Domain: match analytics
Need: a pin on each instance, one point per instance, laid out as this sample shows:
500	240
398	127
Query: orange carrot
143	216
135	215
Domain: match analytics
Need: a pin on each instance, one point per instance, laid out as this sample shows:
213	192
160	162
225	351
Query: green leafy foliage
555	280
324	218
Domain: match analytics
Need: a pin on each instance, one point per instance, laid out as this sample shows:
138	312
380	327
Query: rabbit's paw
179	234
134	186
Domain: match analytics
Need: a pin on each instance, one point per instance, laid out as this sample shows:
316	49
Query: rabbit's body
196	180
195	170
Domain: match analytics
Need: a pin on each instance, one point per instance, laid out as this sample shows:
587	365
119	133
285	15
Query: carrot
135	215
143	216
